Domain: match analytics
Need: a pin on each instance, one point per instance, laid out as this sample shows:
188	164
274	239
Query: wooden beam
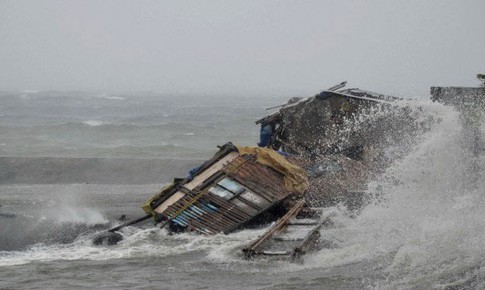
279	225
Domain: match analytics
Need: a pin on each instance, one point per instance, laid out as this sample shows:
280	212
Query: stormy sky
240	47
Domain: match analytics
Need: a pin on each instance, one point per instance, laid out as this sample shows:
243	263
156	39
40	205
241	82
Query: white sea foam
154	243
110	97
93	123
115	98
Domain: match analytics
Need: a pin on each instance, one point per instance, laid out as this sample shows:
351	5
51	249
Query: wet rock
107	238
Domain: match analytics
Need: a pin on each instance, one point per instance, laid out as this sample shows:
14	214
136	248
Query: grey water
72	162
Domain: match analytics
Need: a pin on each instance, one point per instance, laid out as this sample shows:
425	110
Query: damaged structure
313	153
229	191
342	139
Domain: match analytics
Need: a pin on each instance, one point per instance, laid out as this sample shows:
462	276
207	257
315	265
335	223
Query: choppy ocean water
77	124
426	230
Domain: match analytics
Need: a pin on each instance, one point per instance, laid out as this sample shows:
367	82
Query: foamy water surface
423	228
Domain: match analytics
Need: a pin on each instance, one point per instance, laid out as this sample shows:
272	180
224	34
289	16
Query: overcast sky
240	47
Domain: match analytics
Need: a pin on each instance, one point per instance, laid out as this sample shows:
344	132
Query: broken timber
227	192
280	239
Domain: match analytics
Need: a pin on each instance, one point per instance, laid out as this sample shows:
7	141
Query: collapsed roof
228	191
344	136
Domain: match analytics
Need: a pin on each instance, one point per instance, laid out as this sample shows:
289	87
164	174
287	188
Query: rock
107	238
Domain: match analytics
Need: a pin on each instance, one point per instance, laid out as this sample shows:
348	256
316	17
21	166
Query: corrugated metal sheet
200	210
259	179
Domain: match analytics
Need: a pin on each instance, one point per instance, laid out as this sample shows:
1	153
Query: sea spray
424	228
59	214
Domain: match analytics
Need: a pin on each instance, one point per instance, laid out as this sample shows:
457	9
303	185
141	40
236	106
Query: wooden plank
171	200
275	253
279	225
309	241
211	170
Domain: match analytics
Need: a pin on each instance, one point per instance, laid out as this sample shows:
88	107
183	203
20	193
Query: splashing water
150	243
79	215
424	227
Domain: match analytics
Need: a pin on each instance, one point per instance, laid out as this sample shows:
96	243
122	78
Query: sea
71	163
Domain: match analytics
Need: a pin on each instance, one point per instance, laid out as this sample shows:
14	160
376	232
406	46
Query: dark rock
107	238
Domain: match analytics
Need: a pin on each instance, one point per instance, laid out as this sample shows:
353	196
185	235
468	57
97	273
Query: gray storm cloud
240	47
